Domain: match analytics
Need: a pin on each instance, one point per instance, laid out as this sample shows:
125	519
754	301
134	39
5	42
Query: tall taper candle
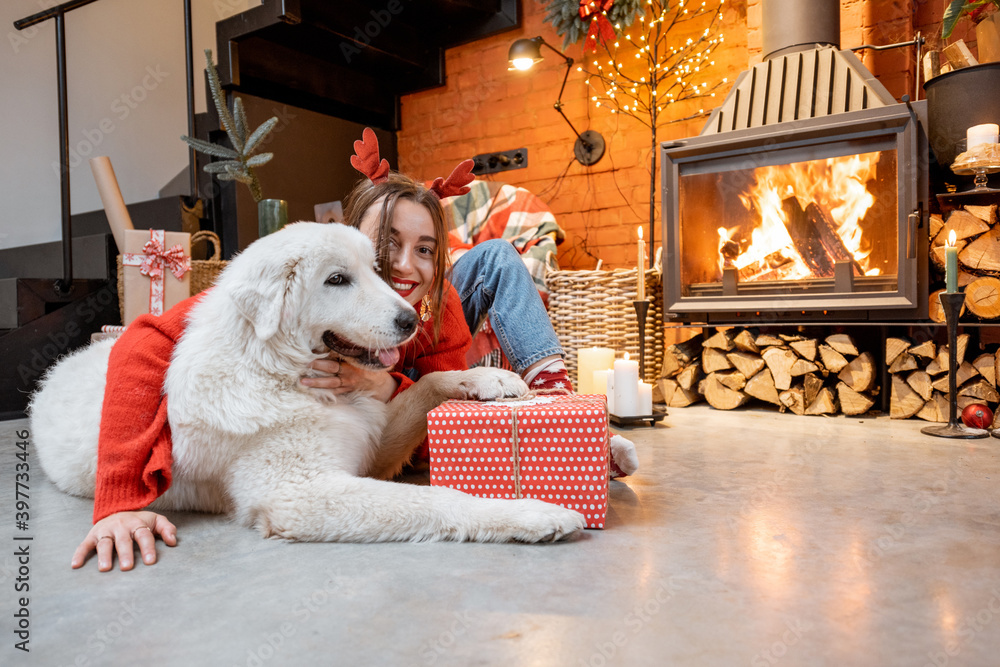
951	265
640	283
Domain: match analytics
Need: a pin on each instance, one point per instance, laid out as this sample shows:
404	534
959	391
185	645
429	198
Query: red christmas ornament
977	416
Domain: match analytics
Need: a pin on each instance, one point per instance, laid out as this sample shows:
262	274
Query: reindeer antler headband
366	160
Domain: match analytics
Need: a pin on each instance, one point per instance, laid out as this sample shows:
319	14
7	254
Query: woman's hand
341	378
117	532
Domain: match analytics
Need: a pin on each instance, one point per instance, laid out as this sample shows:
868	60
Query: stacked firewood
920	378
978	242
806	375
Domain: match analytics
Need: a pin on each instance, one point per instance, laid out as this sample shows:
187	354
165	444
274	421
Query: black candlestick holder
951	303
641	309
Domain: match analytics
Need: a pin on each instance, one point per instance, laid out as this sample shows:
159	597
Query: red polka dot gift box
551	448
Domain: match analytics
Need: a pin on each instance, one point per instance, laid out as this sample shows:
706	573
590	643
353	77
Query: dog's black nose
406	321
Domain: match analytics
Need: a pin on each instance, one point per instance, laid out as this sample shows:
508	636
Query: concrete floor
748	538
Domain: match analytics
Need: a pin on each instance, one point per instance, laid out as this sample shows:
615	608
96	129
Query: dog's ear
262	301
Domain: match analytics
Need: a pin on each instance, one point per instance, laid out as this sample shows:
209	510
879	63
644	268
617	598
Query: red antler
457	183
366	159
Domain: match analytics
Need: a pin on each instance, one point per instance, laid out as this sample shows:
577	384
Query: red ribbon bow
155	257
600	26
151	262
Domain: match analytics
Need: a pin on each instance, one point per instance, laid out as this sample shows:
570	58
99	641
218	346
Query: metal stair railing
58	13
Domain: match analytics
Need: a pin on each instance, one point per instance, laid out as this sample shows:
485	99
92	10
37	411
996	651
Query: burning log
806	238
765	269
829	237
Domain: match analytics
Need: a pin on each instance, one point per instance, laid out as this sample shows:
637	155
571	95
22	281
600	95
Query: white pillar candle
588	360
604	383
645	398
977	135
626	387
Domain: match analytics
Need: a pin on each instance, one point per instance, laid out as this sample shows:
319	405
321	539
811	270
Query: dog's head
317	286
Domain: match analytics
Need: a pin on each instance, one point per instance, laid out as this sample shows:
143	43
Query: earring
425	308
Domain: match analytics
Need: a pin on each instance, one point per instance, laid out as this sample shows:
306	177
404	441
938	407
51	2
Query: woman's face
412	247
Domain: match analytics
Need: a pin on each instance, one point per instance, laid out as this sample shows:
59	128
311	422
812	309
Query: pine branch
239	160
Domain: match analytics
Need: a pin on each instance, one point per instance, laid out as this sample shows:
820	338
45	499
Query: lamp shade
524	53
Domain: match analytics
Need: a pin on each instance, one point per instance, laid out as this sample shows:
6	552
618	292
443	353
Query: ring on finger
105	537
140	528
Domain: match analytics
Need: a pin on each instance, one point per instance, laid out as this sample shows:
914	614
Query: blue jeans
492	280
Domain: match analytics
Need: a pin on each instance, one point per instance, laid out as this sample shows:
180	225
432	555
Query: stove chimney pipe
799	25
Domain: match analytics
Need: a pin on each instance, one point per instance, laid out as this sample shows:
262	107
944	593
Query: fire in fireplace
804	195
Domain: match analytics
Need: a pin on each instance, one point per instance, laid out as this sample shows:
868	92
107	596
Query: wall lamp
523	54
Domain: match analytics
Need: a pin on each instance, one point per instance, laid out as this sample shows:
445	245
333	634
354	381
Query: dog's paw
539	521
489	384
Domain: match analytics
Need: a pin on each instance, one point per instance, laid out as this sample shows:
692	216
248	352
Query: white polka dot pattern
561	451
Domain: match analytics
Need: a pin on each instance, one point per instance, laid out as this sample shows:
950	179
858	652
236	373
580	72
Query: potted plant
984	15
238	163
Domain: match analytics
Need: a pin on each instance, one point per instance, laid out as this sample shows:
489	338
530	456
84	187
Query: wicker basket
594	309
204	272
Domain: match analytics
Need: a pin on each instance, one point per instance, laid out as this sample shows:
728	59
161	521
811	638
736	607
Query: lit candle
640	283
588	360
645	398
977	135
951	264
626	387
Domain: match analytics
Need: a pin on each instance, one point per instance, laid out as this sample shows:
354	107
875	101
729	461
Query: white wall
127	99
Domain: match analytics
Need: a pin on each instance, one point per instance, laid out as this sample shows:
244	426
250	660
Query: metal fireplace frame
897	126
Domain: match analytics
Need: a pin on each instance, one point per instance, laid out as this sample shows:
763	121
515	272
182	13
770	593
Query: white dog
248	439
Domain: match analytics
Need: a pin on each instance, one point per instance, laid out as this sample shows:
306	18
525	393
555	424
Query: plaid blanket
502	211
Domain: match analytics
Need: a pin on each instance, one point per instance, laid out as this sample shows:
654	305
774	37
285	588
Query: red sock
552	381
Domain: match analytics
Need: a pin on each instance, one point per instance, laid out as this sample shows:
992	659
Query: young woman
405	221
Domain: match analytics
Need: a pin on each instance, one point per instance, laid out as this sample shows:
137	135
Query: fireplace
804	198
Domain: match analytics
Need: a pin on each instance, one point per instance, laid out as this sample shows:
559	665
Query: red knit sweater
134	449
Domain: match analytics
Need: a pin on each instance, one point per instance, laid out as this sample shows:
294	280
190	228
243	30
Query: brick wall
483	108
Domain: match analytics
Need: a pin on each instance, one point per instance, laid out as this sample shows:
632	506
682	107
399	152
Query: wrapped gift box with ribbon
551	448
156	270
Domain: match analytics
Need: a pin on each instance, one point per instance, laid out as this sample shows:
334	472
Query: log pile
978	240
919	375
807	376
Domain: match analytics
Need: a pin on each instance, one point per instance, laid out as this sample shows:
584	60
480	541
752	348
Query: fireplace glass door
811	220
